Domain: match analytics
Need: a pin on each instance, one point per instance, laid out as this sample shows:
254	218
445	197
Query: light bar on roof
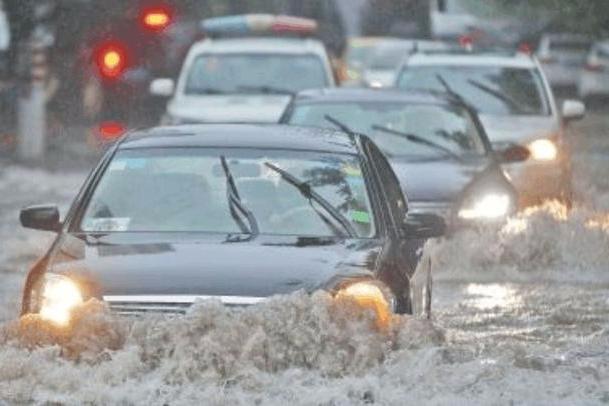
258	24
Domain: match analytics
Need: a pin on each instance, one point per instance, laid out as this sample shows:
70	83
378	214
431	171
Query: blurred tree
21	18
588	17
402	18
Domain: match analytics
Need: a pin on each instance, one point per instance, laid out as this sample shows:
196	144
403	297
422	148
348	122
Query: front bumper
448	211
538	181
442	209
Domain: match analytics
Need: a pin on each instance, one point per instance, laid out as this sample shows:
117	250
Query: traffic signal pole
31	116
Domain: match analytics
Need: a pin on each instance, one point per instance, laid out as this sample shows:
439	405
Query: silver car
594	78
562	57
516	106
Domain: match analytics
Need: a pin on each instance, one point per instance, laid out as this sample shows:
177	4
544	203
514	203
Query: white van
243	77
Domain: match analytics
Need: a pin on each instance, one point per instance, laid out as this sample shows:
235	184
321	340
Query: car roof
288	45
374	95
513	60
256	136
565	36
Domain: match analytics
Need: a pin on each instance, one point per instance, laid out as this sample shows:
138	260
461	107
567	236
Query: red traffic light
156	18
111	59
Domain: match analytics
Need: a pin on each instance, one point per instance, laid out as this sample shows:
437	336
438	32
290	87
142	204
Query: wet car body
434	183
167	271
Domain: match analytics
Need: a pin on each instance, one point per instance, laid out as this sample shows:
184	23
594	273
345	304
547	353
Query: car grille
170	304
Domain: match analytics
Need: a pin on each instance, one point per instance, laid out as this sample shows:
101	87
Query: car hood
129	264
519	129
438	180
229	108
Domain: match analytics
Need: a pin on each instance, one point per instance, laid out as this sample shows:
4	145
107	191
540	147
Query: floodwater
521	316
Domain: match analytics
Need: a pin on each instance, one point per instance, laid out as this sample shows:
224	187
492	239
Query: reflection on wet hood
123	264
519	128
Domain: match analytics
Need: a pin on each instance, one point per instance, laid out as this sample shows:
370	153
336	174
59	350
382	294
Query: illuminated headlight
543	150
57	297
371	295
491	206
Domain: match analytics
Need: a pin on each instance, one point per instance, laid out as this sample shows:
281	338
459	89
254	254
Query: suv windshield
255	73
450	127
185	190
389	56
490	89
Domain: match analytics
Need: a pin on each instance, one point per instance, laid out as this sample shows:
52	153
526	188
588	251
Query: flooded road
521	316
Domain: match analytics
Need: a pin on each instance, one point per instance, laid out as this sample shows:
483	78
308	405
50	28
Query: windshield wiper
267	89
236	206
453	93
339	124
417	140
305	189
501	96
205	90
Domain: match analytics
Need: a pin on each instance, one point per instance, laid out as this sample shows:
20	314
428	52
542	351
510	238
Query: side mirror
424	225
513	153
162	87
44	218
573	110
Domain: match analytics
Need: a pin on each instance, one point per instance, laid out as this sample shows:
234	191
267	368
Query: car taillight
156	19
466	42
525	48
110	130
111	59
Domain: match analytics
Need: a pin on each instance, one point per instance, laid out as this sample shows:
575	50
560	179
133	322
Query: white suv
516	106
241	78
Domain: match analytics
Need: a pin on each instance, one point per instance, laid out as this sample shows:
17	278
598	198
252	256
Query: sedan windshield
449	127
231	191
490	89
255	73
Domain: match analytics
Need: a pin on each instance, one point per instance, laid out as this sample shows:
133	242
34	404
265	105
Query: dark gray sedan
434	142
236	213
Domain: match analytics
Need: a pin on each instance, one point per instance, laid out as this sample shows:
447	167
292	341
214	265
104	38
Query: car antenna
339	124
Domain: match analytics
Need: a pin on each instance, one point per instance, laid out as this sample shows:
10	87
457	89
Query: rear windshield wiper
417	140
452	91
205	90
514	105
339	124
305	189
236	206
267	89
